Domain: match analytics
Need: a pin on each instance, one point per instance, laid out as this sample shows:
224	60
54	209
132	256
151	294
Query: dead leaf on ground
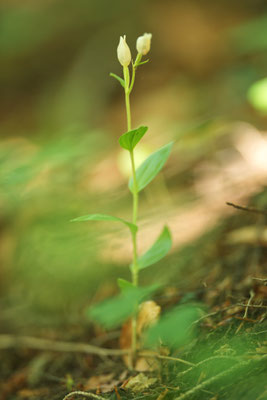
139	383
104	383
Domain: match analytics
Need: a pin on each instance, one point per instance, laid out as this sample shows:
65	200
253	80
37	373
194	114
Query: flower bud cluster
142	45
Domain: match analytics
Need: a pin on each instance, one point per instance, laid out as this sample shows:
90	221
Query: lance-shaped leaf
124	285
113	312
118	79
151	167
157	251
104	217
142	62
130	139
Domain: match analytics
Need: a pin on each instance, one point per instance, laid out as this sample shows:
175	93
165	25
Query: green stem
128	89
135	212
135	65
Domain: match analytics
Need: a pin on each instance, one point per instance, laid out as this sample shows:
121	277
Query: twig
251	295
174	359
117	393
216	312
162	395
226	309
11	341
207	360
84	394
256	333
252	306
249	209
161	357
217	377
264	280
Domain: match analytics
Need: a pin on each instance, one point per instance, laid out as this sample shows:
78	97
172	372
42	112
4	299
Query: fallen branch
11	341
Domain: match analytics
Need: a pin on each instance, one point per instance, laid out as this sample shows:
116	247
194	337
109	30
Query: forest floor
226	359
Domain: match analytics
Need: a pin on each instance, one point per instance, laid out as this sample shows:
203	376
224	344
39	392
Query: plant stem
128	89
135	65
134	219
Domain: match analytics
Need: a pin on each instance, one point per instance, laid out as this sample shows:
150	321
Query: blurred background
205	87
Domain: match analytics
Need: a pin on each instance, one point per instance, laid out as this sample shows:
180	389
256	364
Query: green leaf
130	139
151	167
104	217
142	62
124	285
175	327
158	250
118	79
257	95
113	312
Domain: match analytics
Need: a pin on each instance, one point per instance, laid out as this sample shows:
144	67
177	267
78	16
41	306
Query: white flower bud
143	43
124	53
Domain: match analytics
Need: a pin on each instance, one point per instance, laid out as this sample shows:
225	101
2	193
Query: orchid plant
140	178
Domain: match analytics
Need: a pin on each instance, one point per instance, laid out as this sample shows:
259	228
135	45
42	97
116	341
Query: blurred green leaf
250	36
257	95
104	217
175	327
124	285
158	250
118	79
129	140
151	167
113	312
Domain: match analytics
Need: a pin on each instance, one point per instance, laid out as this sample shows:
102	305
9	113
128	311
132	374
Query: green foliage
151	167
104	217
143	62
158	250
118	79
251	36
113	312
257	95
129	140
175	327
124	285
